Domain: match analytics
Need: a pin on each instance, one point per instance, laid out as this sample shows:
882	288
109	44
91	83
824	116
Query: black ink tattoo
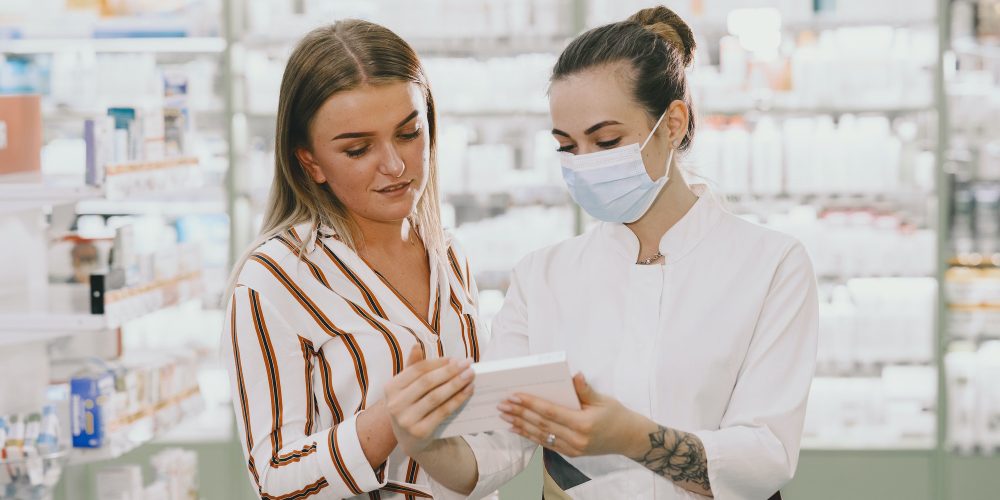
677	456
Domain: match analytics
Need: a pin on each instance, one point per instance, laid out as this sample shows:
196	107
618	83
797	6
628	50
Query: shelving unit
20	192
140	428
178	45
62	310
967	315
48	326
785	110
28	192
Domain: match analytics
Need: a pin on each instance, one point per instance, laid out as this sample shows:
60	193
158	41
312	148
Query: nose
391	163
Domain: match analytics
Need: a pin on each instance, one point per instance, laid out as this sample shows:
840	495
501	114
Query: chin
392	213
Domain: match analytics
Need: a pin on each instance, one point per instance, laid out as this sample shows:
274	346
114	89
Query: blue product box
89	396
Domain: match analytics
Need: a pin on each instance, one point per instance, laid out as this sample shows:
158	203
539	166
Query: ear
677	122
307	161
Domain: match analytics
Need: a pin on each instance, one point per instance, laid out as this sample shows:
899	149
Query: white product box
545	375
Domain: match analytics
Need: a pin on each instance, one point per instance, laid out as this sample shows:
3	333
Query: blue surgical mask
613	185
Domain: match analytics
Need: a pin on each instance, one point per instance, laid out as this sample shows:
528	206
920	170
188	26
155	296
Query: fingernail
514	399
467	374
504	407
506	418
465	363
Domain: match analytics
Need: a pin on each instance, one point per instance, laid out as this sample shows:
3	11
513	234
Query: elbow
274	486
782	471
773	467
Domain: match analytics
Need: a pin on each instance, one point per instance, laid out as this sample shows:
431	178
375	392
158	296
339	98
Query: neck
673	202
384	237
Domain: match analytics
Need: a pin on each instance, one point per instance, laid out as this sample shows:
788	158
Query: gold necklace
650	260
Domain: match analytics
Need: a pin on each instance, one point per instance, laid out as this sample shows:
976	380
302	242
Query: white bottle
843	344
735	167
827	158
988	404
798	135
48	437
960	367
766	175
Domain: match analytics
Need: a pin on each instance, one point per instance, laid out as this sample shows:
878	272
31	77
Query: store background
869	130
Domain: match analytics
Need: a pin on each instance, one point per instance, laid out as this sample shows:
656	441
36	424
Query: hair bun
667	25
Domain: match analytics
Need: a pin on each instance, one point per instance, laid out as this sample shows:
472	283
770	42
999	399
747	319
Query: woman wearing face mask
694	330
352	271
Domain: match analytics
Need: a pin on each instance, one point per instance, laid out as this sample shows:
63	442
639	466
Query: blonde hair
343	56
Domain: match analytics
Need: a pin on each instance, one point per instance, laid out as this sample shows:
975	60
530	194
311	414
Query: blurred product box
20	133
89	408
122	482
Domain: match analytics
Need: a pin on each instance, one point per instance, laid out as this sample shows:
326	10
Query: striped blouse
310	342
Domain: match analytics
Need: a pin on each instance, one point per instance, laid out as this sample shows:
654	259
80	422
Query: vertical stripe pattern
313	330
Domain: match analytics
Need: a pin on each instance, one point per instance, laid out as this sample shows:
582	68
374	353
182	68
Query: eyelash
605	145
358	153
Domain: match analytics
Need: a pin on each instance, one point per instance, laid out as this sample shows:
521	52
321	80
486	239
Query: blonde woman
352	282
694	330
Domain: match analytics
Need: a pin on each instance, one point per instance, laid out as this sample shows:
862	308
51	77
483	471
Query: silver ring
551	440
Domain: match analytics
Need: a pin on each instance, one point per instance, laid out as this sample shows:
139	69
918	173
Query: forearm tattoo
677	456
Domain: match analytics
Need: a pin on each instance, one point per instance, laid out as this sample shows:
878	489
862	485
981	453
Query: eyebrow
355	135
590	130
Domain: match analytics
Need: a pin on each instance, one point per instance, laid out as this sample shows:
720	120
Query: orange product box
20	133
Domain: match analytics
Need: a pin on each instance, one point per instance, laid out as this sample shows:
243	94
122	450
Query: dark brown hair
657	44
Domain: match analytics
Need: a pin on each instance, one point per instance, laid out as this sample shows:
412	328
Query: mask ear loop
670	159
651	132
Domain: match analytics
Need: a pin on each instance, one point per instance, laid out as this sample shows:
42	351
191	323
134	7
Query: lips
394	187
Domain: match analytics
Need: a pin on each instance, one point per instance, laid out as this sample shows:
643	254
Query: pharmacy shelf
214	425
866	444
550	195
20	192
61	312
761	109
140	428
972	47
178	45
832	196
868	370
477	47
470	114
785	110
495	114
201	202
976	260
51	465
820	23
485	47
62	112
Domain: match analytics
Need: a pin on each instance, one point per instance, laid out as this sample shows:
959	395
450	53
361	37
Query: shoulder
781	253
453	247
750	234
567	252
272	261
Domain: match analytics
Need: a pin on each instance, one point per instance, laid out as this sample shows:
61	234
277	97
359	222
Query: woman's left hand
602	426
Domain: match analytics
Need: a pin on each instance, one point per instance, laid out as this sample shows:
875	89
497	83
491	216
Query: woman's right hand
423	395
